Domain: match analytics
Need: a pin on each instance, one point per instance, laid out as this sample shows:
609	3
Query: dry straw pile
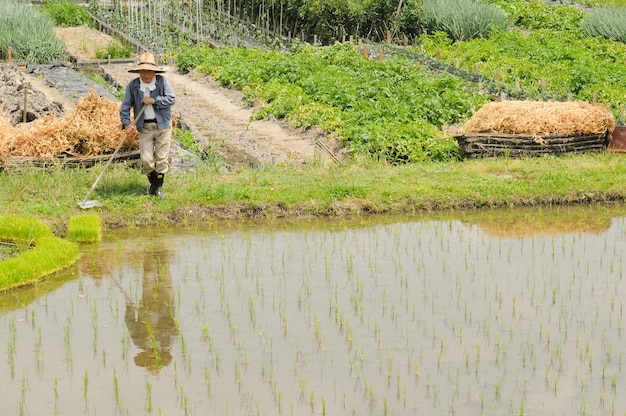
92	129
536	117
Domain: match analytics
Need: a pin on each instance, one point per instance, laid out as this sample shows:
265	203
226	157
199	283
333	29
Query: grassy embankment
317	190
276	192
41	253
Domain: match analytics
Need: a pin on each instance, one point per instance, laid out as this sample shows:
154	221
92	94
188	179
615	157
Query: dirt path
217	116
219	119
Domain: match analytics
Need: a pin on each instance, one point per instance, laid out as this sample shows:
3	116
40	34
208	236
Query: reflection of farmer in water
151	322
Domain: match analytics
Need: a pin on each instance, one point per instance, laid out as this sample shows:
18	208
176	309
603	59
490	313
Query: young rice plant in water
493	312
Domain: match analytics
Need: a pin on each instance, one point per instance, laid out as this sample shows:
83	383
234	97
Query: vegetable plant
65	13
29	33
392	109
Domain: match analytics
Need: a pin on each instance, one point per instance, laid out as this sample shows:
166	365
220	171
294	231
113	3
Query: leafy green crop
65	13
391	110
573	67
541	15
115	51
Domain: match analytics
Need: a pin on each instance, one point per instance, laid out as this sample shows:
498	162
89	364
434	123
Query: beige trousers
154	148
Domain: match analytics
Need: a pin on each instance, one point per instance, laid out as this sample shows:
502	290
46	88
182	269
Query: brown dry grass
92	128
535	117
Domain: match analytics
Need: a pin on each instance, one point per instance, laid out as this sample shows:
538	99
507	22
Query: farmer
155	126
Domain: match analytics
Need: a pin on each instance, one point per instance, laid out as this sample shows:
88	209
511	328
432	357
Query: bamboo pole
24	87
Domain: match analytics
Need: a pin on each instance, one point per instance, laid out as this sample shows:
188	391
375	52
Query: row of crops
396	108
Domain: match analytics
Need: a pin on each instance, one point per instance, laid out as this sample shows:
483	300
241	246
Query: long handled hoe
85	204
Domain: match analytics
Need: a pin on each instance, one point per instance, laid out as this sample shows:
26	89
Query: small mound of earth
15	91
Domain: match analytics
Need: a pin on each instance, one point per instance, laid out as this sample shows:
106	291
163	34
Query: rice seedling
477	331
148	395
86	388
84	228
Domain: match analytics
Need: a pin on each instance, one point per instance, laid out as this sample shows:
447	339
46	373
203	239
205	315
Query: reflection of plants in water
466	323
549	221
11	349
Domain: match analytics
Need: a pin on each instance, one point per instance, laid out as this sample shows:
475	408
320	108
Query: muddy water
489	313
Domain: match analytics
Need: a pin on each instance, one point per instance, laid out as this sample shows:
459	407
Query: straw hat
147	62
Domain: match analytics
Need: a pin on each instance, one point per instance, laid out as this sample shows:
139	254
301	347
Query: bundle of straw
536	117
92	128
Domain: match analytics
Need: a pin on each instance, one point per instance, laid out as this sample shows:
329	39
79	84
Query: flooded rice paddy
490	313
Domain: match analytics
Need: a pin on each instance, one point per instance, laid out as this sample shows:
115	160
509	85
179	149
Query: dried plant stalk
92	128
536	117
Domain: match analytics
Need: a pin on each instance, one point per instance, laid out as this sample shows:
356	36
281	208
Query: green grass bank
41	253
271	192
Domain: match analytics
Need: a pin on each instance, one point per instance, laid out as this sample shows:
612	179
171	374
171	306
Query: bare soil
217	116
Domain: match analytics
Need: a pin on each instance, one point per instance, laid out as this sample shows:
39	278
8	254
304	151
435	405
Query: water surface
516	312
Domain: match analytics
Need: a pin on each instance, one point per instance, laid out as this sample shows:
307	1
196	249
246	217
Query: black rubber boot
151	178
158	183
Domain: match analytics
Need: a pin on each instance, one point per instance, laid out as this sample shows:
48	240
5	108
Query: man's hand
148	100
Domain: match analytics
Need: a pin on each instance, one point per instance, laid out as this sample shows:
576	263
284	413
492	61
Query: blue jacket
164	98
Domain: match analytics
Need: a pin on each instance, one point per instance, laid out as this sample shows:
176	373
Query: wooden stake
422	49
476	68
406	41
517	83
438	55
595	98
10	54
544	84
496	76
351	39
457	62
388	37
381	56
480	86
366	51
24	86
